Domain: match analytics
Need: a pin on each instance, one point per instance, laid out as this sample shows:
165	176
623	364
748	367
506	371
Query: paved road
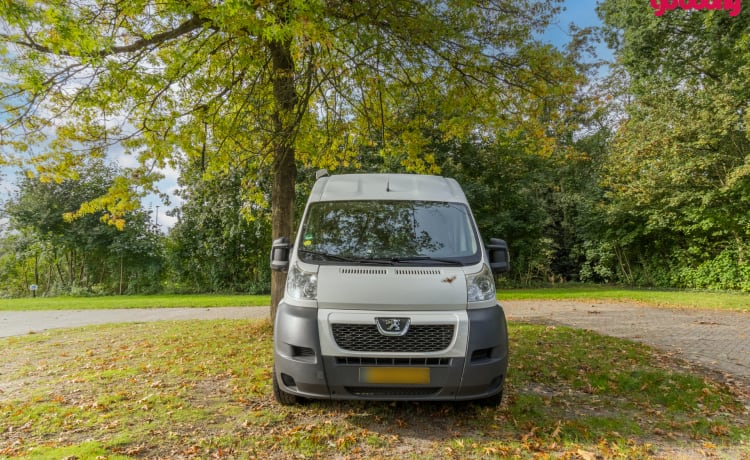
718	340
29	322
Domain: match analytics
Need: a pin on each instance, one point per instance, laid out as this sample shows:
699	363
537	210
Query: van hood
391	288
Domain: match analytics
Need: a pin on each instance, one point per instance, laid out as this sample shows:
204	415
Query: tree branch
195	22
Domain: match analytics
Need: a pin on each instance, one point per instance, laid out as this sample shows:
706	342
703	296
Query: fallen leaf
556	433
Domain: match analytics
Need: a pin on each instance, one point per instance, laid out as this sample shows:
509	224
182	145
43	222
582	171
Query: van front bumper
477	372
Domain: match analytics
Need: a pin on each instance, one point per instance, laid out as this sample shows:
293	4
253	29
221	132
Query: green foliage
219	243
727	271
600	264
273	87
239	80
643	180
83	256
677	176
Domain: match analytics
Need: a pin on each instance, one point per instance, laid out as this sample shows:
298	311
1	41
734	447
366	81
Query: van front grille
419	338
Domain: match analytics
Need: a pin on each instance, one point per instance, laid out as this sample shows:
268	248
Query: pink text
733	6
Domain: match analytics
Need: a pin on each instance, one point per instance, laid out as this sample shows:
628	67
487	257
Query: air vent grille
362	271
418	271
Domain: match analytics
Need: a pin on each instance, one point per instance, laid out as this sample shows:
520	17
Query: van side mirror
499	257
280	254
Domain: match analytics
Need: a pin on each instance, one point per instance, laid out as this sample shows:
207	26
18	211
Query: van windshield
389	232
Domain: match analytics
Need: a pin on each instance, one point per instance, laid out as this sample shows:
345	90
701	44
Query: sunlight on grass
143	301
691	299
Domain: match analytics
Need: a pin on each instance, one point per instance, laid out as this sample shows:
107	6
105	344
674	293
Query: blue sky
582	13
579	12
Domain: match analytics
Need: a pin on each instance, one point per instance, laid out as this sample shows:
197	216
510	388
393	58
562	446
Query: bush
727	271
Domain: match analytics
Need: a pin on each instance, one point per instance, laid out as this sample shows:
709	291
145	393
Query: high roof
387	187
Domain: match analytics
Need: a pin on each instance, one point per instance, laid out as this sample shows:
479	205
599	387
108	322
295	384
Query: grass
735	301
203	390
690	299
141	301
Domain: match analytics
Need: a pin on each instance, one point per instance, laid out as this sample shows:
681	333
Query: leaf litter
202	390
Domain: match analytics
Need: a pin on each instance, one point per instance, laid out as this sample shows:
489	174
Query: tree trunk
284	167
119	291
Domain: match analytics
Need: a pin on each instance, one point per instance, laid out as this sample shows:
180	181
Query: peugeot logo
393	327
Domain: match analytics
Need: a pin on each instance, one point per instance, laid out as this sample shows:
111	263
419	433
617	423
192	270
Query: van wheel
282	397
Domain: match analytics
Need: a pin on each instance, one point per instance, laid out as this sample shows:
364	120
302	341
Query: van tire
282	397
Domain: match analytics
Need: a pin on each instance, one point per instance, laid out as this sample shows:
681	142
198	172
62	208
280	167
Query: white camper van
390	295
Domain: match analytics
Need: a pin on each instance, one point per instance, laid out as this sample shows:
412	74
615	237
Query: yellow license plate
395	375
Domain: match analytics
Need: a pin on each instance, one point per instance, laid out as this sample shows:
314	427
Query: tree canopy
642	178
79	256
270	85
678	173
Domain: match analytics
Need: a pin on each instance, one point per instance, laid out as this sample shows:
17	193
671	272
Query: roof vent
321	173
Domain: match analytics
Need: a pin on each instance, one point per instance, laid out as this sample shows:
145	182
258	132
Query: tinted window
387	230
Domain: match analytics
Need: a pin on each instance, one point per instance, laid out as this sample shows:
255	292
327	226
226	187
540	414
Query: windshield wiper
337	258
379	260
327	256
408	259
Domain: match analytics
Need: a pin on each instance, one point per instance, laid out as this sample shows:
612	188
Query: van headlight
480	285
301	284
